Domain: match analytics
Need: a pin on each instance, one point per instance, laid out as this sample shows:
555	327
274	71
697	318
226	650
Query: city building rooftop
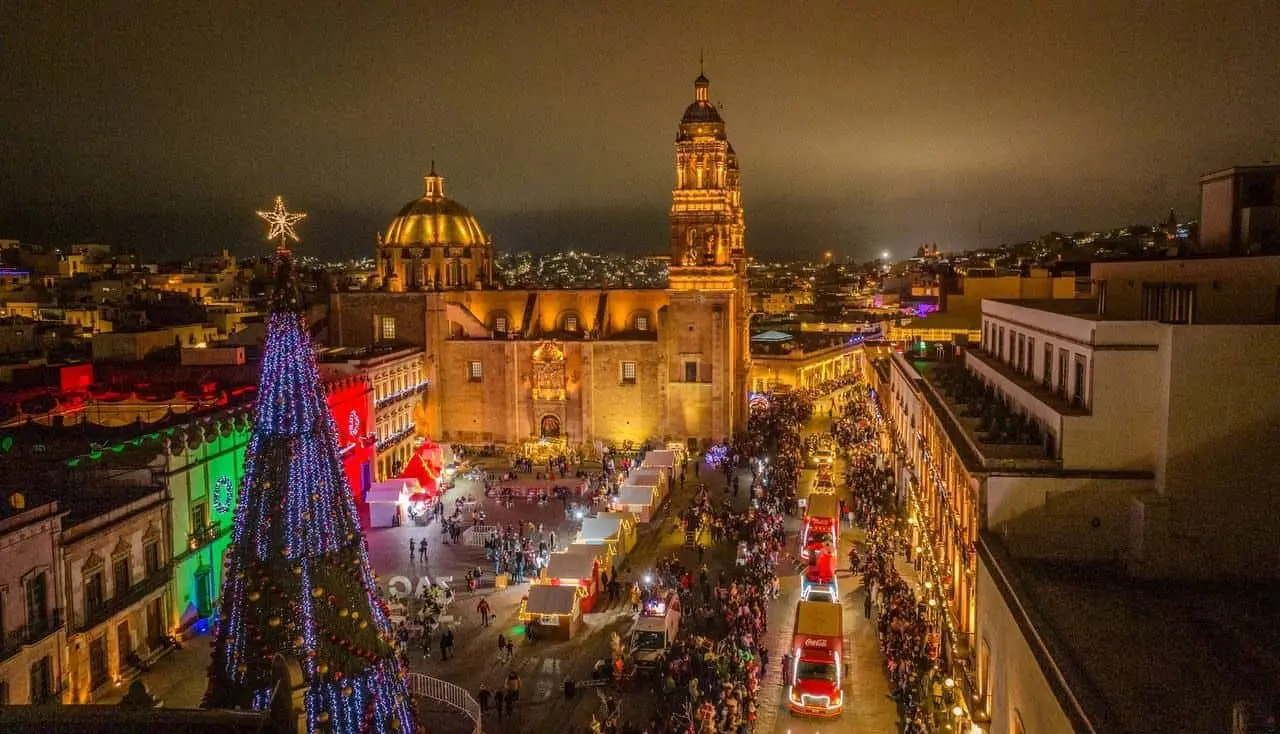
1082	308
1139	655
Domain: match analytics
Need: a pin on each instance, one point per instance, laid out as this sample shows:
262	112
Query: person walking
502	648
422	551
866	604
482	697
483	609
446	644
786	669
411	550
513	690
498	698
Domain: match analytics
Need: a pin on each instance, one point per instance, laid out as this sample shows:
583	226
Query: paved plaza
179	678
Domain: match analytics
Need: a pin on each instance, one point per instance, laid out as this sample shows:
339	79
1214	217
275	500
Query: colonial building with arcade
574	365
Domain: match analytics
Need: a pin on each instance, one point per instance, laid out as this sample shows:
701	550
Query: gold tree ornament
282	221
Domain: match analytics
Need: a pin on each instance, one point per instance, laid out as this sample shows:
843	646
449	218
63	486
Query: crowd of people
708	681
908	643
518	551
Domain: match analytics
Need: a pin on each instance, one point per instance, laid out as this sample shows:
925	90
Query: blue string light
298	581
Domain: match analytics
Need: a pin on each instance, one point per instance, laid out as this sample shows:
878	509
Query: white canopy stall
388	500
637	500
616	532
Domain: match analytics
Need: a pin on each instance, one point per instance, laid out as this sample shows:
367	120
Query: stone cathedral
579	365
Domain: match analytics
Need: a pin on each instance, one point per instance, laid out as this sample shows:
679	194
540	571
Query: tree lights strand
298	582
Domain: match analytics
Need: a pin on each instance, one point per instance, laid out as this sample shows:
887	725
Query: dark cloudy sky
861	126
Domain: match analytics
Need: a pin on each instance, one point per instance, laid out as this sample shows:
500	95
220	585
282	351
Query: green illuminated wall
193	474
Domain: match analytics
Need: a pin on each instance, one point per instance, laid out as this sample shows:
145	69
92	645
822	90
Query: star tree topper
282	221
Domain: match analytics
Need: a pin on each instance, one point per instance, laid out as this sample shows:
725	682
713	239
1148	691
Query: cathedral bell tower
708	346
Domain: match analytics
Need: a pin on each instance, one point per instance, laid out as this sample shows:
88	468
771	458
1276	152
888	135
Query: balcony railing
395	438
411	390
203	536
96	615
30	634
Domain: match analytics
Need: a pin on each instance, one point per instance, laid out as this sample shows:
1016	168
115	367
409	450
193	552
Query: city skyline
865	132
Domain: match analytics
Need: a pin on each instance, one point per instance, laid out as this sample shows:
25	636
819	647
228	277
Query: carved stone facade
590	365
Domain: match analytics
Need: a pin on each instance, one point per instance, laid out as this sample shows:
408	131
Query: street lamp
884	255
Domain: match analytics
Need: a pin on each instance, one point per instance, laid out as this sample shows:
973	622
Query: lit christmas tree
298	587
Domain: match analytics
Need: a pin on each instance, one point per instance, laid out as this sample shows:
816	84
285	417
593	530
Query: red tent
422	468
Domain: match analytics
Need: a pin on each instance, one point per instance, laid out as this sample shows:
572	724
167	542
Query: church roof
434	219
700	111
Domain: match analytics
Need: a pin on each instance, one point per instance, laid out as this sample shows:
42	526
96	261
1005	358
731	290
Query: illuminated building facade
31	606
117	571
381	412
350	402
578	365
202	466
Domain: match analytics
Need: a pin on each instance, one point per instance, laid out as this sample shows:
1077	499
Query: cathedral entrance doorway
549	427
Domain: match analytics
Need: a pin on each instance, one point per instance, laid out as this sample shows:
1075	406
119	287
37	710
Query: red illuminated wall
351	404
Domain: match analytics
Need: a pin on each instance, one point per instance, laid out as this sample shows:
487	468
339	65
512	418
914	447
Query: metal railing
476	535
29	634
448	694
96	614
202	536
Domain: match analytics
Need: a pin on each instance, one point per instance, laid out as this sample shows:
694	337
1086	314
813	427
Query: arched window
569	322
641	321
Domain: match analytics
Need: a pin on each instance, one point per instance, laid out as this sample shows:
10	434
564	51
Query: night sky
860	126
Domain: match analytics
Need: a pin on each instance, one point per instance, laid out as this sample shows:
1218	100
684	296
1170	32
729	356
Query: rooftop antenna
701	59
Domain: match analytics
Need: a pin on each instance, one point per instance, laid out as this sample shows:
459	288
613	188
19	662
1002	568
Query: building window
1030	366
387	328
1077	396
1047	368
42	680
1062	372
642	323
1172	303
1000	344
199	517
500	324
121	578
94	594
571	322
474	371
1022	347
628	373
690	371
37	588
151	557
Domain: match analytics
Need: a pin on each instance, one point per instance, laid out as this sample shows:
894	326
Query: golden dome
434	219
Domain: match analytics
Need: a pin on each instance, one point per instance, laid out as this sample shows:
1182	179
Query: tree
298	585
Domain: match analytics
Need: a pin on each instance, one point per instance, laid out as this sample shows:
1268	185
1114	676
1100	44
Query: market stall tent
387	501
612	531
555	610
664	459
649	477
639	501
578	566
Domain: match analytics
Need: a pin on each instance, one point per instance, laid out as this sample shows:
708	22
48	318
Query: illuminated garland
412	389
298	583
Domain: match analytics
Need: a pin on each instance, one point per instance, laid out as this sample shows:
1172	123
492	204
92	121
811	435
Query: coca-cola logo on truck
816	642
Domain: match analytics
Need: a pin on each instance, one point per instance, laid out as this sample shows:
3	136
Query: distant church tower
707	336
